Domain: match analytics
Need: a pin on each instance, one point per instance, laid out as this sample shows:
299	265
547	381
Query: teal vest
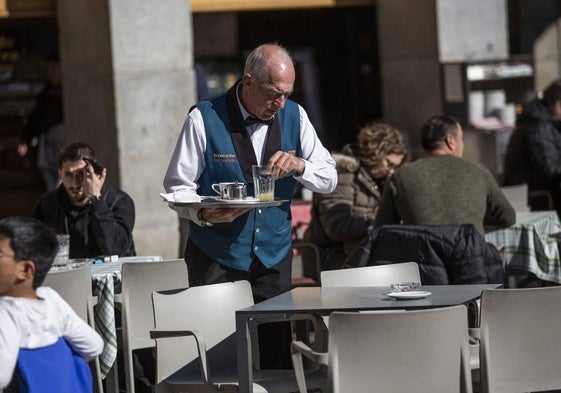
264	233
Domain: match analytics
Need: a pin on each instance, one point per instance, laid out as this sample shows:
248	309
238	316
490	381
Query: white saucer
409	295
237	201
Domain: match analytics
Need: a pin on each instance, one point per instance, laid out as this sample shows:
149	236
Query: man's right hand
215	215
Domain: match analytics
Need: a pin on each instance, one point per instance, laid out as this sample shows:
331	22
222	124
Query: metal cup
230	190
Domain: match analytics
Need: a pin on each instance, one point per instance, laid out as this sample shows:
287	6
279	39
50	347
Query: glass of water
61	258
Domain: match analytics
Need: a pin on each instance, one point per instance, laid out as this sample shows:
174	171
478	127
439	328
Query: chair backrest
517	196
380	275
407	351
139	280
209	309
519	347
74	286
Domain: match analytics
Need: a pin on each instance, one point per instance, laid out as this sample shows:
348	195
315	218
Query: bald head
268	80
268	59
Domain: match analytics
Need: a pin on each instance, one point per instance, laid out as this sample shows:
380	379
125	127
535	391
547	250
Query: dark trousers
274	338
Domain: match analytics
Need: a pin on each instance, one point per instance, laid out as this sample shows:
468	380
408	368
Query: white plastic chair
405	351
517	196
371	276
139	280
196	341
75	287
520	349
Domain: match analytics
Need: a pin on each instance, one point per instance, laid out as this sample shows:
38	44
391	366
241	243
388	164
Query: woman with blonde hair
340	220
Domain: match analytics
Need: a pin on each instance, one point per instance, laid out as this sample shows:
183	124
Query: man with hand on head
98	217
254	123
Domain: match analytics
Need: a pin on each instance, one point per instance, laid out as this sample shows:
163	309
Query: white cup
61	258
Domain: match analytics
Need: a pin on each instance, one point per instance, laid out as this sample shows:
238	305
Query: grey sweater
444	190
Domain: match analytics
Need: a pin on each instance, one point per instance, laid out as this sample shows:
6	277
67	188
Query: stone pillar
128	83
408	52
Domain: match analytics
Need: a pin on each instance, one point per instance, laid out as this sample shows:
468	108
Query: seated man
443	188
42	341
98	218
534	150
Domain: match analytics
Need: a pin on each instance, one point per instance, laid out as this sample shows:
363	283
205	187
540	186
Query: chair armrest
297	349
474	335
201	346
320	332
316	357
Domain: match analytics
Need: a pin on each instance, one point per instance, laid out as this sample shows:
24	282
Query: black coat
534	152
446	254
102	228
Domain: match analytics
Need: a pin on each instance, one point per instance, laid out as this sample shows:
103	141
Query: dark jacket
101	228
534	151
446	254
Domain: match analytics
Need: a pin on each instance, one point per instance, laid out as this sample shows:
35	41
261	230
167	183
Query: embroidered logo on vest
228	158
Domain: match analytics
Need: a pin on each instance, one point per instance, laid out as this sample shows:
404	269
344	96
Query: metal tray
212	202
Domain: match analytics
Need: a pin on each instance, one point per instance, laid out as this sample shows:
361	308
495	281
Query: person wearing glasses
340	220
443	188
253	123
40	334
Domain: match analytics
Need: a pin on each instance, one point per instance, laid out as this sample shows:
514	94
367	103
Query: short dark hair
434	131
75	152
31	240
552	93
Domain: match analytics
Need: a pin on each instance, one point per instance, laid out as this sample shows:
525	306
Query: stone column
408	52
128	83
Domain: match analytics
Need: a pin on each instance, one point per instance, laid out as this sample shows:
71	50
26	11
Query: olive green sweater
444	190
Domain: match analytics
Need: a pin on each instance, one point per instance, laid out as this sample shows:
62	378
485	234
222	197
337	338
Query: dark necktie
251	120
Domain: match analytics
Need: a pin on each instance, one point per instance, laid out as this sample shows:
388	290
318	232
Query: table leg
245	363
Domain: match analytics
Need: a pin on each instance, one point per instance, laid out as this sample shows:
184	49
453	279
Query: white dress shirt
187	161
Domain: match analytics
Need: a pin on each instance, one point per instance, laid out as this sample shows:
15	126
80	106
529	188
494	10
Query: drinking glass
264	183
61	258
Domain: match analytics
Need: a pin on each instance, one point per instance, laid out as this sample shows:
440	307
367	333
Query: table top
325	300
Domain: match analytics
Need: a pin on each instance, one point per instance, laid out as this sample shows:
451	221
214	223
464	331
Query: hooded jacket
342	219
534	151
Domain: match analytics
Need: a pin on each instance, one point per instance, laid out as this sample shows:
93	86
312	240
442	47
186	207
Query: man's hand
93	182
215	215
283	163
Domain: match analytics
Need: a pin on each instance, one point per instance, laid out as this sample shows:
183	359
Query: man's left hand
283	163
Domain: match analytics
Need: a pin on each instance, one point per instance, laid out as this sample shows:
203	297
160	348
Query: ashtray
405	286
